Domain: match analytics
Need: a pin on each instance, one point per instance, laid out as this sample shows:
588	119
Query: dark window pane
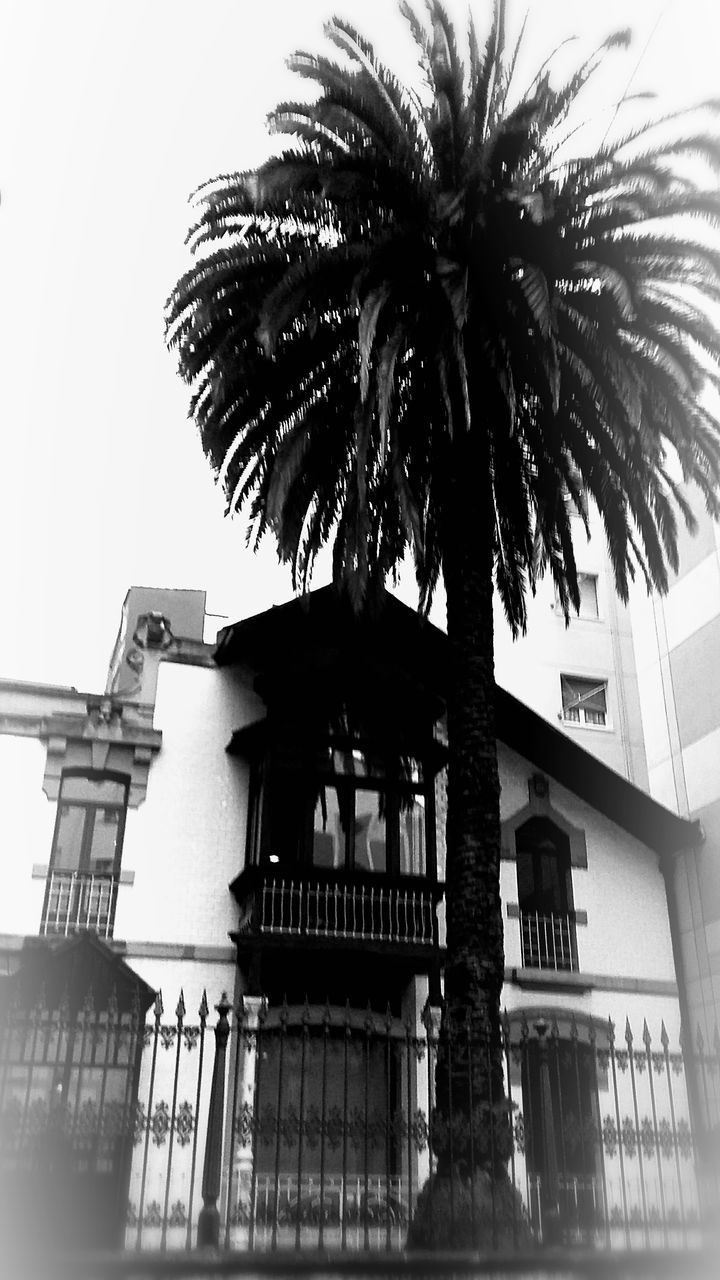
543	862
283	819
69	837
328	830
369	835
103	847
412	836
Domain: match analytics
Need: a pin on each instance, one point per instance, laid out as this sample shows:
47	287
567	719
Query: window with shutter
584	700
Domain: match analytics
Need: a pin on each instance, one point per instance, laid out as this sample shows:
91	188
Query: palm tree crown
418	267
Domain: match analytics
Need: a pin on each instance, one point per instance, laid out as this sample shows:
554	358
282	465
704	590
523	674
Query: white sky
110	115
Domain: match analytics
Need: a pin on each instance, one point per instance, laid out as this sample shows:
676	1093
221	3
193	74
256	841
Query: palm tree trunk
470	1065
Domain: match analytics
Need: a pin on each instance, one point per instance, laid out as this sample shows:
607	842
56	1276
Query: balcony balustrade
79	900
548	942
334	908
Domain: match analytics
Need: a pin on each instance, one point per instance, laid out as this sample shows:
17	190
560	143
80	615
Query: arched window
545	898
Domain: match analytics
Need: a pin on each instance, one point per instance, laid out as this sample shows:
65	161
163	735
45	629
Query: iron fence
317	1127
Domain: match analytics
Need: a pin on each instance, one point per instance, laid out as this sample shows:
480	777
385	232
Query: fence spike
388	1018
611	1032
573	1027
223	1008
180	1007
158	1009
306	1012
554	1029
664	1037
647	1038
204	1009
628	1034
327	1015
284	1011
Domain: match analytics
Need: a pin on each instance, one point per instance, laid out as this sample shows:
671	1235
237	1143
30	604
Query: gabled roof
55	967
322	625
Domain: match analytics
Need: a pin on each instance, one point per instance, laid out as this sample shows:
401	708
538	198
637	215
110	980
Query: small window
544	881
587	582
584	700
587	586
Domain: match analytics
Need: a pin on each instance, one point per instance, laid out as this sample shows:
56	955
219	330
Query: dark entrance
561	1126
70	1039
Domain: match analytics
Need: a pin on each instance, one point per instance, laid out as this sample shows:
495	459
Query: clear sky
110	115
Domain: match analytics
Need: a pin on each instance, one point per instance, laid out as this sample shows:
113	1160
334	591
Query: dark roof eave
519	728
609	792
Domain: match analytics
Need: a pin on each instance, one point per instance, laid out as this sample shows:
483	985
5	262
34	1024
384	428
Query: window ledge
552	979
598	619
512	911
41	871
586	728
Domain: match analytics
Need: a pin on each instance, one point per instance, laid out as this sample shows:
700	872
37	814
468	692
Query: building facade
222	944
581	676
677	640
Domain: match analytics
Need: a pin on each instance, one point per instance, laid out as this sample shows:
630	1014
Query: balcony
330	906
548	942
77	900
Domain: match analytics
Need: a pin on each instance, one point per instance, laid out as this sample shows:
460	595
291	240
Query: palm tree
426	326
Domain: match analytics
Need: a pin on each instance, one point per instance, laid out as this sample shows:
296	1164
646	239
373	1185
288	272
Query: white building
581	675
265	820
677	640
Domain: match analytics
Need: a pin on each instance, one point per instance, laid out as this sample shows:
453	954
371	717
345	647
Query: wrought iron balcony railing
79	900
325	906
548	942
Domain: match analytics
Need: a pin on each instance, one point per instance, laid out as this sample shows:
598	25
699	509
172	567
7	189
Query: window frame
529	851
91	807
528	848
595	685
84	871
583	616
306	783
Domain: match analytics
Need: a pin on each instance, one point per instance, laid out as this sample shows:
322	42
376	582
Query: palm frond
428	273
